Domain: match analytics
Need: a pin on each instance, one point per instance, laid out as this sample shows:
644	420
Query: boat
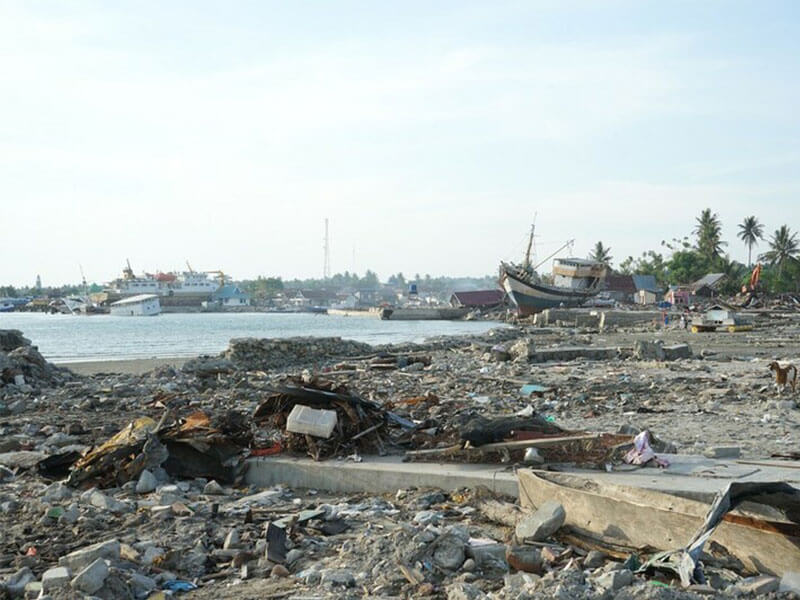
6	305
143	305
189	285
575	280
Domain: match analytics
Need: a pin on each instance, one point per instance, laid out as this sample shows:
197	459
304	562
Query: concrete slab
694	477
377	475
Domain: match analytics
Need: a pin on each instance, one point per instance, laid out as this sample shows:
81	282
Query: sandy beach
126	367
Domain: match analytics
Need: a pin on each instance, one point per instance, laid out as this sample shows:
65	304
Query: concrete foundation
377	475
693	477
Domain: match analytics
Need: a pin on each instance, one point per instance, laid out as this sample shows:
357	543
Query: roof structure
712	280
645	282
620	283
228	291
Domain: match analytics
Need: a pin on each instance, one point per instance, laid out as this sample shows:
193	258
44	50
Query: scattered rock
542	524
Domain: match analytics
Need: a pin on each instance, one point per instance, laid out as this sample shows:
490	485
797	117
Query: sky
428	133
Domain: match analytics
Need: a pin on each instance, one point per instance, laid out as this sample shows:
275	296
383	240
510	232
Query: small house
678	296
141	305
230	295
646	297
708	286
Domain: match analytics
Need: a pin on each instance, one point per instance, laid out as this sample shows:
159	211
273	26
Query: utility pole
326	268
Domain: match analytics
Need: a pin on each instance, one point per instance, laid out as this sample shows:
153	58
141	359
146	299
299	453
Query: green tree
783	248
708	230
750	231
686	266
601	254
626	266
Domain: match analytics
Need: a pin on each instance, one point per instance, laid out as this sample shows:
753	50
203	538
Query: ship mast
527	262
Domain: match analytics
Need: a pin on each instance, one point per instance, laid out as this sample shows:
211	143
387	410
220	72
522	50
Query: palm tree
601	254
750	231
709	235
783	247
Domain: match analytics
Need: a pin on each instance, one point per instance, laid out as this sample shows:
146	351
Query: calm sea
63	338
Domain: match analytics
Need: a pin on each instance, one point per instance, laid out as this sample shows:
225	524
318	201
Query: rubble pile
131	485
23	367
253	354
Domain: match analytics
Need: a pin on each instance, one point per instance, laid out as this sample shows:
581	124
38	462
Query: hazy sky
428	132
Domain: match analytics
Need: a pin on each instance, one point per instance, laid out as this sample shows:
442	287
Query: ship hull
531	298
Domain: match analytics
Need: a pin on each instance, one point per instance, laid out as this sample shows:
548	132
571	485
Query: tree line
688	259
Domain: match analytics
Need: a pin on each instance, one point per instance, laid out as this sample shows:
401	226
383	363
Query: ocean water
67	338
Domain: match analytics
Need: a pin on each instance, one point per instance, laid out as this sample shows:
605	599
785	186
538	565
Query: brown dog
782	376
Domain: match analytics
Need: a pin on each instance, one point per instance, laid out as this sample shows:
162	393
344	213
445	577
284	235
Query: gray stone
469	565
103	502
232	540
141	585
147	482
464	591
615	580
594	559
55	578
212	488
56	492
337	577
15	585
543	523
448	552
83	557
91	578
293	556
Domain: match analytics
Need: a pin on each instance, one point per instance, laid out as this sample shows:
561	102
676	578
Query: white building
143	305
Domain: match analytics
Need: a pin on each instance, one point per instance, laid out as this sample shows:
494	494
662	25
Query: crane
221	276
191	270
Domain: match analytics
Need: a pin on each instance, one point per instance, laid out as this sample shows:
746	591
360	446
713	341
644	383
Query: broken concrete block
83	557
212	488
55	578
723	452
464	591
337	577
677	351
449	552
15	585
103	502
645	350
594	559
311	421
91	578
615	580
522	350
147	482
232	540
542	524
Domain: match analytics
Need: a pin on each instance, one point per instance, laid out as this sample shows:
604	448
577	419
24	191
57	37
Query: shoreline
130	366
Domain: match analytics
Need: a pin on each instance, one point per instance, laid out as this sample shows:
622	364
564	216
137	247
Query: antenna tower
326	268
